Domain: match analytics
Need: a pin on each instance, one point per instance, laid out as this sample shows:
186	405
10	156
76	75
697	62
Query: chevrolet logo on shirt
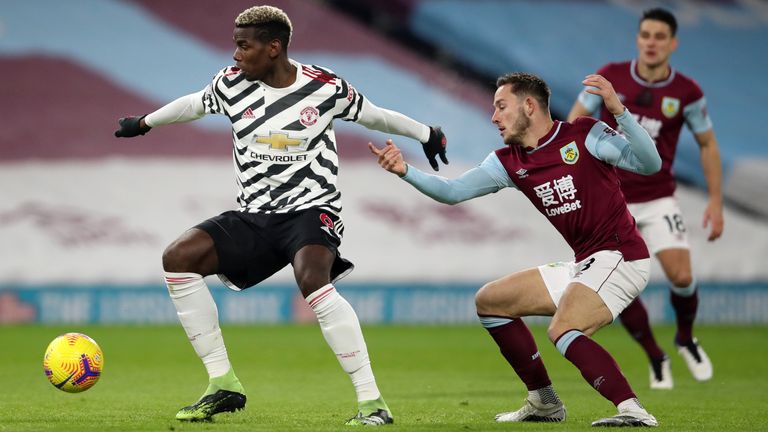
279	141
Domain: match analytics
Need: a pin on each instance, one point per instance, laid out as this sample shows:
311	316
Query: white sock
632	405
543	396
200	319
341	330
684	291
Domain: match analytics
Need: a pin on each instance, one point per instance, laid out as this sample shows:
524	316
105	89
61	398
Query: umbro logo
522	173
248	114
598	382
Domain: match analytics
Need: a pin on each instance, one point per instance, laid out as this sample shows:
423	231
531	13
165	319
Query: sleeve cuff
407	171
623	115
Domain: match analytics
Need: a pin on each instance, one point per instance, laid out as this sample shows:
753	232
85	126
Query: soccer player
663	100
567	171
286	165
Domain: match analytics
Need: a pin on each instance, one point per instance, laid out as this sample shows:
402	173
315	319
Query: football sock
371	406
631	405
635	320
228	381
596	366
518	347
200	319
685	302
342	332
543	396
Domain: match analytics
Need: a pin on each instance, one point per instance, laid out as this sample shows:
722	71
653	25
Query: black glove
434	146
130	127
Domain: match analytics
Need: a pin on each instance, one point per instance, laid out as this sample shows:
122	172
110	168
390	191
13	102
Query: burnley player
663	100
567	171
286	166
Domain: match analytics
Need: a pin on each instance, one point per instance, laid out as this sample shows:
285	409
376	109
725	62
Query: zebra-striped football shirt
284	145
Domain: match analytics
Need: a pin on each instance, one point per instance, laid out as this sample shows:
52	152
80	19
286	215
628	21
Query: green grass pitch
434	379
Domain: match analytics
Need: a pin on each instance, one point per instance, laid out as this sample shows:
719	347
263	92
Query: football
73	362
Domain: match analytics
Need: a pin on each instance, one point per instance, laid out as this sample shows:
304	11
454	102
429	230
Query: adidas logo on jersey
248	114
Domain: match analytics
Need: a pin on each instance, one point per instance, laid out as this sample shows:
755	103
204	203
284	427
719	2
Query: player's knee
310	282
681	278
483	302
563	321
189	255
587	324
555	330
489	302
175	259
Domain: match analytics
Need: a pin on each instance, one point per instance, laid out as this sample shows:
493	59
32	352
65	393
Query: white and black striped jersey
284	145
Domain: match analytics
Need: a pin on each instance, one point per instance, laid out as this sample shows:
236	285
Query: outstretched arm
381	119
183	109
388	121
476	182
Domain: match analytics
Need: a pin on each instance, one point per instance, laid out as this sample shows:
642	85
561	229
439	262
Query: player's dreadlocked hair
525	84
663	15
270	23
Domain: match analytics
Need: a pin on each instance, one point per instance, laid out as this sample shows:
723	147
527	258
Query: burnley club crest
570	153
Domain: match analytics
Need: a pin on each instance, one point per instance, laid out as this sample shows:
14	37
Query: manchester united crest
670	106
309	116
570	153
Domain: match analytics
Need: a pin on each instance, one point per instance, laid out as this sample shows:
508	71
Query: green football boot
372	413
224	394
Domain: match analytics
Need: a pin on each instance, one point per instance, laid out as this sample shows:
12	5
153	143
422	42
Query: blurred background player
663	100
286	165
567	171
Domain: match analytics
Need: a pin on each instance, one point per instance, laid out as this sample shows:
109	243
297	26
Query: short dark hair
663	15
526	84
269	23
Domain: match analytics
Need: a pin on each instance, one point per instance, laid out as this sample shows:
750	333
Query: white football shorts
616	281
661	224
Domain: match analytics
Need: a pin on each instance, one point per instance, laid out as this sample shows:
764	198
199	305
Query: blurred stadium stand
84	216
129	57
562	41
